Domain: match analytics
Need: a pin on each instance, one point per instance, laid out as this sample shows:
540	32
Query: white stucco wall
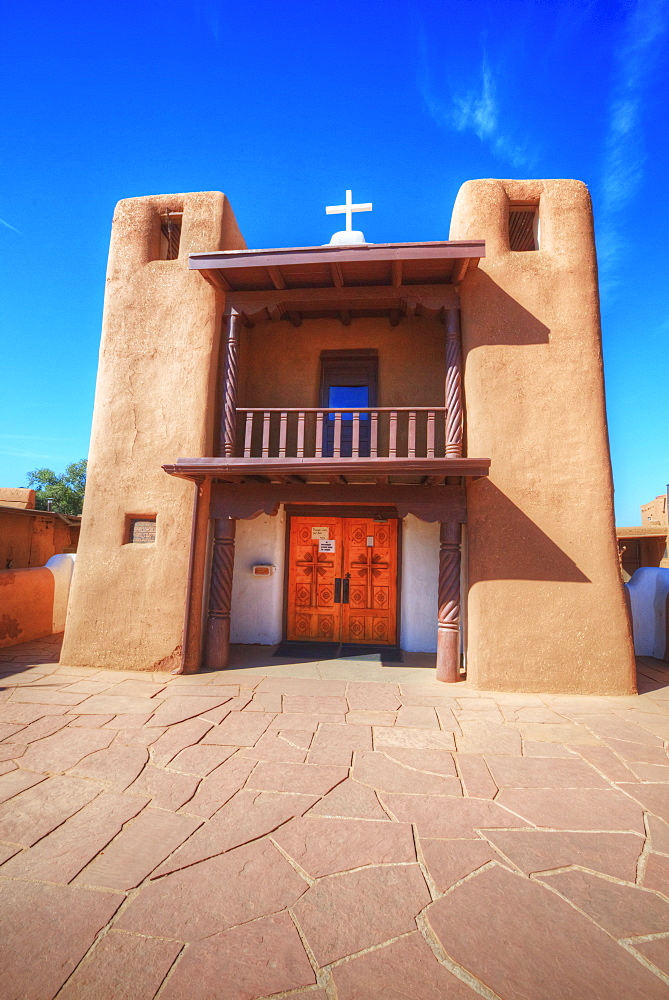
62	567
257	602
649	592
420	576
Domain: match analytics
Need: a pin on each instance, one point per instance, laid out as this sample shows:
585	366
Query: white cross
348	209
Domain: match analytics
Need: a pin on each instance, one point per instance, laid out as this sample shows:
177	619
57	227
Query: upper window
170	235
524	226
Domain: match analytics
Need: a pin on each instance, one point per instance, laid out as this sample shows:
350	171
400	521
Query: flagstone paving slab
200	759
117	765
656	875
538	929
404	970
659	834
254	960
533	772
247	816
433	761
419	739
178	709
138	849
252	881
656	951
532	851
239	729
350	800
17	781
177	738
373	697
166	789
218	787
32	814
581	809
638	751
343	914
106	704
653	796
386	775
36	957
448	861
122	967
448	817
62	854
312	779
475	774
622	910
324	846
64	749
607	762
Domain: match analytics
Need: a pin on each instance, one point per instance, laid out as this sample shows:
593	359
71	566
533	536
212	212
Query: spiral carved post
448	625
229	421
453	385
220	593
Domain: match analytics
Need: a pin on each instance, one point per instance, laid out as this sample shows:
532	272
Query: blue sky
283	106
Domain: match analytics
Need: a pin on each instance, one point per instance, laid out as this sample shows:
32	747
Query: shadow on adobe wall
495	317
519	549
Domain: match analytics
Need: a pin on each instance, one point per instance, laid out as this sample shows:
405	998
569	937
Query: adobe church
355	447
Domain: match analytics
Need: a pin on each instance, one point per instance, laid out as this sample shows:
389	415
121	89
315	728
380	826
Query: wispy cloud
7	226
477	110
635	60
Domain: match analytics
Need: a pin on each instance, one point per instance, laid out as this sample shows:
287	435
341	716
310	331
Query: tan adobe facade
655	512
390	445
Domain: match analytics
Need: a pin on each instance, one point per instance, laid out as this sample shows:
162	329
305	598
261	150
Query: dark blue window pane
348	395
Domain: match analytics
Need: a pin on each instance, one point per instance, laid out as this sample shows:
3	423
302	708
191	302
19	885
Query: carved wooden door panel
313	612
370	557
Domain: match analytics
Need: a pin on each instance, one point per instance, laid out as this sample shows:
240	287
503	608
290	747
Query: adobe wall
30	538
154	403
26	605
546	608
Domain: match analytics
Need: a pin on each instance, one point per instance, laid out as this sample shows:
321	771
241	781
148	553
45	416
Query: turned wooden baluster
229	422
453	385
220	593
283	428
300	434
265	433
374	435
430	434
412	435
319	434
248	435
392	450
355	445
337	435
448	621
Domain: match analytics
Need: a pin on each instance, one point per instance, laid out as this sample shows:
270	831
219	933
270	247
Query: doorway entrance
342	580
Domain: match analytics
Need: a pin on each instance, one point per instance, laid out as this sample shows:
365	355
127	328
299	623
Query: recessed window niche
524	226
140	529
170	235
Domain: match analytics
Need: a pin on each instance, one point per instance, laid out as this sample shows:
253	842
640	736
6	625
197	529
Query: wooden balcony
343	434
376	445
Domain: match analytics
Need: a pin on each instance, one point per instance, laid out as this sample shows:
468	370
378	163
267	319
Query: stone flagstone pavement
327	831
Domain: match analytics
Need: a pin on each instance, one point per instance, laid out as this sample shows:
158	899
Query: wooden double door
342	580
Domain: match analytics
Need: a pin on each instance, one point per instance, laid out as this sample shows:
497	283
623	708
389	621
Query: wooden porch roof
365	280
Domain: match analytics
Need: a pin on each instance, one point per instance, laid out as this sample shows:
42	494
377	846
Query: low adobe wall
33	602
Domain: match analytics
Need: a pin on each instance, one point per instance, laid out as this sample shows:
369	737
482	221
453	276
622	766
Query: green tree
66	490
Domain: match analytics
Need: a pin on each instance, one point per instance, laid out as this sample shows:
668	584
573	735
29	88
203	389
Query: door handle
344	596
337	591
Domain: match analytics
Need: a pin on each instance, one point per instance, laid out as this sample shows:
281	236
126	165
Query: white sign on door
326	545
317	533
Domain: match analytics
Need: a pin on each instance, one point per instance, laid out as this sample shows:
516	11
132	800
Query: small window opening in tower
170	235
524	226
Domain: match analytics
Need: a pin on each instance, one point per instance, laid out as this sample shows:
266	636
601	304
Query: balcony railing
342	433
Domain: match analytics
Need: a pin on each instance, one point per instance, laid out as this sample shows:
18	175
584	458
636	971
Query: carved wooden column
448	625
230	378
220	593
453	385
